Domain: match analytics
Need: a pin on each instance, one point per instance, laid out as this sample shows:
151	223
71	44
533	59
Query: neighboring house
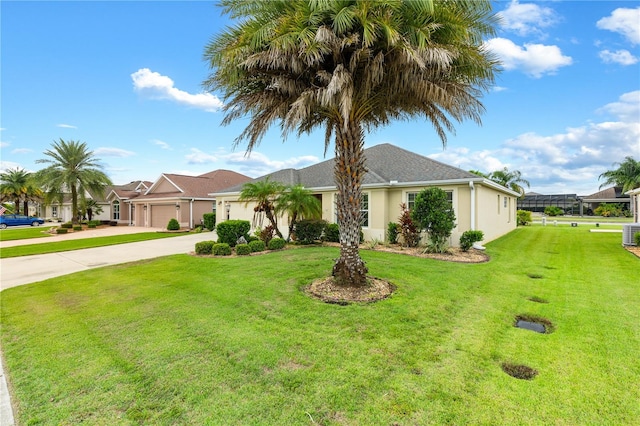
120	209
613	195
534	202
394	176
61	212
185	198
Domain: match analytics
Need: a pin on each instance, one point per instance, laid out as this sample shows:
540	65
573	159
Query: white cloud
257	164
534	60
199	157
622	57
21	151
158	86
66	126
6	165
161	144
527	19
566	162
113	152
623	21
4	144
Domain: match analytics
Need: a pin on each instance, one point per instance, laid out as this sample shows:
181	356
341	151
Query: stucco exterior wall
495	211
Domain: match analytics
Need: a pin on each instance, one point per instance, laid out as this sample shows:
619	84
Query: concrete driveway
17	271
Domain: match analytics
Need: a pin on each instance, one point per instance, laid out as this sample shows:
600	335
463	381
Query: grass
10	234
187	340
58	246
588	219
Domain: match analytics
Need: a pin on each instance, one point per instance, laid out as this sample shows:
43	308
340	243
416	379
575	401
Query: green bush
524	217
92	226
173	225
62	230
636	238
553	211
609	210
433	213
67	225
243	249
257	245
93	222
230	230
77	228
393	230
309	230
276	244
469	237
204	247
222	249
332	233
209	221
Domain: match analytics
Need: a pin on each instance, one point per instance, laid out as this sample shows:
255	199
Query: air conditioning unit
628	231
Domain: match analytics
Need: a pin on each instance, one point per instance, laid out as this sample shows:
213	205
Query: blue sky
125	77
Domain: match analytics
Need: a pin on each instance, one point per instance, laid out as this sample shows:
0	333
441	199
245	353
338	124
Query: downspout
130	214
191	213
473	205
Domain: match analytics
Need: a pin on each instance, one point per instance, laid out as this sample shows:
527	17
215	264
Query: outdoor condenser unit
628	231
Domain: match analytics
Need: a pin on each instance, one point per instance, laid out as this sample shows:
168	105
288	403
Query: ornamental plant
434	214
173	225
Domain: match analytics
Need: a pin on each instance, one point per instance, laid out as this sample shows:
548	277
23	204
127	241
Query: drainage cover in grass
534	323
538	299
519	371
534	276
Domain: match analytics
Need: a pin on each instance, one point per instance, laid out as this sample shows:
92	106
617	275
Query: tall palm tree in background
627	175
509	179
298	203
72	167
349	66
264	194
18	185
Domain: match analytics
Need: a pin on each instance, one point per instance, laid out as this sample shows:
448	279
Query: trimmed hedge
66	225
308	231
173	225
636	238
77	228
209	221
230	230
469	237
276	244
62	230
204	247
222	249
243	249
332	233
257	245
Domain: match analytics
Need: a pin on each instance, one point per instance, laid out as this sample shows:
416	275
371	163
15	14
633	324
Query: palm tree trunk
269	213
74	205
292	223
349	269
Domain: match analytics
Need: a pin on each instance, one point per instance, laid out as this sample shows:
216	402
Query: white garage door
161	214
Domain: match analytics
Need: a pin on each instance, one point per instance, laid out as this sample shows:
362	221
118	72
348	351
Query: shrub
173	225
62	230
204	247
309	230
67	225
332	233
265	235
553	211
469	237
609	210
222	249
91	226
257	245
393	229
243	249
433	213
77	228
408	228
230	230
636	238
209	221
524	217
276	244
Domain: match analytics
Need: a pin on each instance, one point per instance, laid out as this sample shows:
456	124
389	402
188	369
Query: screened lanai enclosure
570	203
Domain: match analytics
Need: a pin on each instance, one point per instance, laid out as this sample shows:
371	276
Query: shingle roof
384	162
197	186
609	193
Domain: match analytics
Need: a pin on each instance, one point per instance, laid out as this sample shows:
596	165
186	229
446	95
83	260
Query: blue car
19	219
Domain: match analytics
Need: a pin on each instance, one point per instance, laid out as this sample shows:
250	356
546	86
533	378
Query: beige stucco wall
384	207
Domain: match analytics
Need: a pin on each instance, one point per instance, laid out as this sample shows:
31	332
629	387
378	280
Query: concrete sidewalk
17	271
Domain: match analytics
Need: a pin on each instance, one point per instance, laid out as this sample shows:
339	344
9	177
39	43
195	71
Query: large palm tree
349	66
298	203
263	193
627	175
17	185
509	179
72	167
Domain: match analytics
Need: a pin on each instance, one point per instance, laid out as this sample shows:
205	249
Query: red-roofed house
185	198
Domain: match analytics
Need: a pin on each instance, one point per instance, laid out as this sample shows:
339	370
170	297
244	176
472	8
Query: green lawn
235	341
11	234
58	246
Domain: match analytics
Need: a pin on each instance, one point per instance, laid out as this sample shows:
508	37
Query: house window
54	211
411	199
364	209
116	210
505	202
